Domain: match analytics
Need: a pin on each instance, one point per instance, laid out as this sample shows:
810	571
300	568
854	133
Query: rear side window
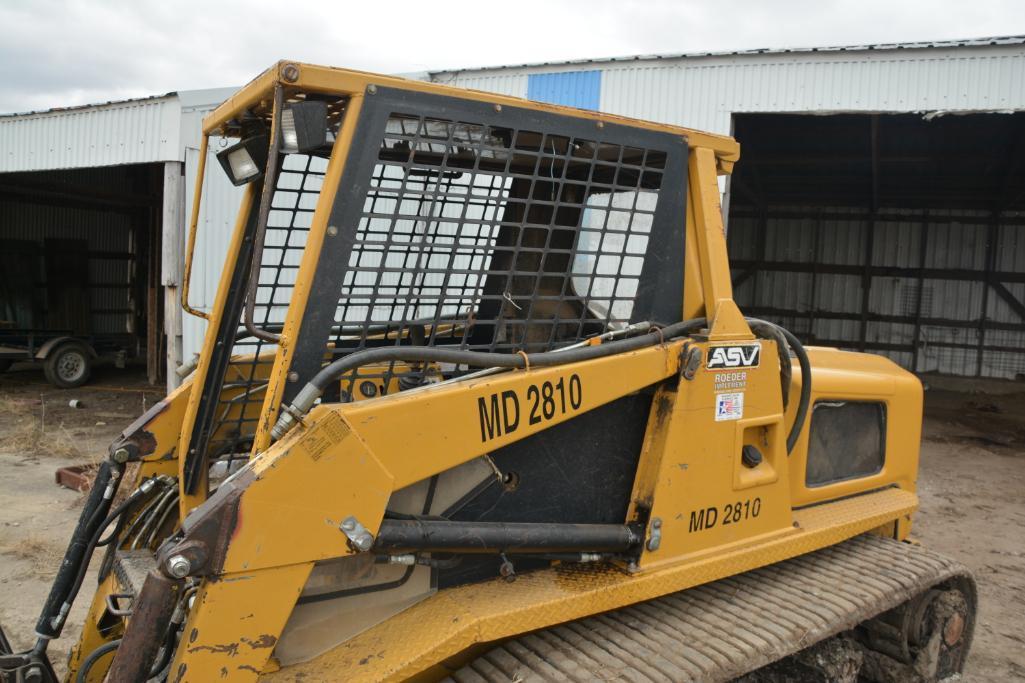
847	441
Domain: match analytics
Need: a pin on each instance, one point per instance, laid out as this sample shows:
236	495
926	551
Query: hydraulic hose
143	489
803	404
313	390
66	597
83	671
805	399
51	619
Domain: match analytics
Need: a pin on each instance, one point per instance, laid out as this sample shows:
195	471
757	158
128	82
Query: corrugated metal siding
217	215
580	89
134	132
503	83
703	92
957	244
218	211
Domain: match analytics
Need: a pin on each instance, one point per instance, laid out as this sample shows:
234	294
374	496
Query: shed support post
992	235
173	233
923	252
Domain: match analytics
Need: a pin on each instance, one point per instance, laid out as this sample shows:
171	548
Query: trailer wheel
5	365
68	366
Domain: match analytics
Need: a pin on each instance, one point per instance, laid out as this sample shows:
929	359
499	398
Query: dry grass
44	557
28	432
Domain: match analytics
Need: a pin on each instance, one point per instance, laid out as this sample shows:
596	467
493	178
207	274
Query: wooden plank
172	229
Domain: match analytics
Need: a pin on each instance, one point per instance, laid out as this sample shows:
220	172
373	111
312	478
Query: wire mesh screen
494	239
297	189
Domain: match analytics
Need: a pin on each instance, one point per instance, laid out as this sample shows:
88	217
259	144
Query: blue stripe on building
571	88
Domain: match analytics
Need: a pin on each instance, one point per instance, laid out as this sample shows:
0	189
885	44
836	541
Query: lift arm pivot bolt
359	536
179	566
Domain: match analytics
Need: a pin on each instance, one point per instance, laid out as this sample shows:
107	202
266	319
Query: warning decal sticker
729	407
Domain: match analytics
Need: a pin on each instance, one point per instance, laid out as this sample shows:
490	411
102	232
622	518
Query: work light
244	161
303	126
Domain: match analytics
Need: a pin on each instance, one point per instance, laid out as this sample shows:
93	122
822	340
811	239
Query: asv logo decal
745	356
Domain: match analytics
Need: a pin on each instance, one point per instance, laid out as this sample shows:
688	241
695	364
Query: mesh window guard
492	239
295	198
468	234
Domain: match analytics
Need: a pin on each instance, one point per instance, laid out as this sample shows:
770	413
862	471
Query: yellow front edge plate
453	620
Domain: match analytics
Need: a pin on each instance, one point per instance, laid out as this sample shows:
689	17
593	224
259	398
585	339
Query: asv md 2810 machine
476	402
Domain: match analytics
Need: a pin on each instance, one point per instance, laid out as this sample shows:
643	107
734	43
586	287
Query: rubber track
723	629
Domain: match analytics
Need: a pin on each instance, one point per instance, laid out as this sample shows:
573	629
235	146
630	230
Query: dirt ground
972	488
40	432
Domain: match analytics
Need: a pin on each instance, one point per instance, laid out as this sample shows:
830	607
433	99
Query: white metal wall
218	211
134	132
704	92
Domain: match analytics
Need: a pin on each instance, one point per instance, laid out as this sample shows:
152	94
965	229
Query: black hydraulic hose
100	497
805	399
167	653
803	404
436	354
94	656
768	330
308	395
313	390
94	540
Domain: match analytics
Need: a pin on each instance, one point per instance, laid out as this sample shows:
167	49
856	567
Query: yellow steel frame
346	459
715	153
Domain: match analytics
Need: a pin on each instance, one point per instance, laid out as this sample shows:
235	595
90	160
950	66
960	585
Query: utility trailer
67	359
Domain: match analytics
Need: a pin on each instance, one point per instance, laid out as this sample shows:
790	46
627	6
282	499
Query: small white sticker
729	407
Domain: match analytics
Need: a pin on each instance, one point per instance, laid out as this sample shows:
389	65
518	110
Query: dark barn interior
899	234
80	255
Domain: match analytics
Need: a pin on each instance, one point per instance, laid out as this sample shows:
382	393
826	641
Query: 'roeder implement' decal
736	356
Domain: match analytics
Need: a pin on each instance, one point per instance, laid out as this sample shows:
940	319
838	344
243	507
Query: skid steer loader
475	403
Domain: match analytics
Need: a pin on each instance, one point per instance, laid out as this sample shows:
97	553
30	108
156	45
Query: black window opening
499	235
847	440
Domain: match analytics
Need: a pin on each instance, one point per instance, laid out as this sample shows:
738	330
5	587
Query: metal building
879	203
92	219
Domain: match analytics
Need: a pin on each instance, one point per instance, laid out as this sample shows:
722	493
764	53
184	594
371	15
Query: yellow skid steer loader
475	403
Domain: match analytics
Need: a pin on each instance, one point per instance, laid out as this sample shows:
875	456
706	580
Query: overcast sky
63	52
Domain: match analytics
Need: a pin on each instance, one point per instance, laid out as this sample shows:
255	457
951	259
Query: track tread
726	628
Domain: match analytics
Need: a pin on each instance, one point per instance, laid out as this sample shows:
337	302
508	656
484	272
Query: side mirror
303	126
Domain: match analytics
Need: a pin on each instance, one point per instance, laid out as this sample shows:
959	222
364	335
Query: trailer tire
69	365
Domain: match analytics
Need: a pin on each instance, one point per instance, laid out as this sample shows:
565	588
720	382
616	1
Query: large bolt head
179	566
122	455
364	542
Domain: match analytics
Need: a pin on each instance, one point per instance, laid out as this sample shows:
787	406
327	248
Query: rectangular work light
245	160
303	126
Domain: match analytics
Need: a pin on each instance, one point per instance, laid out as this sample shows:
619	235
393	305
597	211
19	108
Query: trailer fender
50	344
